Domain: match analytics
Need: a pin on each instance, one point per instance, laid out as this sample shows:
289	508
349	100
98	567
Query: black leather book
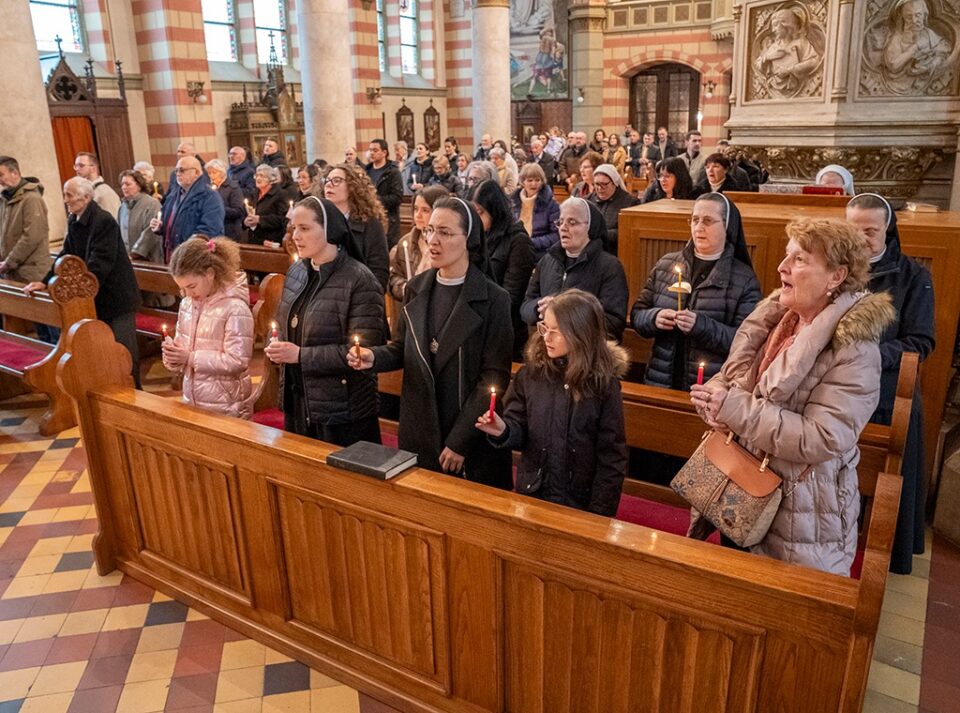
372	459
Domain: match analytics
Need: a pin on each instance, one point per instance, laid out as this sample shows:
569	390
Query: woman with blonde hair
351	191
800	383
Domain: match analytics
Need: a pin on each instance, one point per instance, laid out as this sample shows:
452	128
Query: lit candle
356	345
246	204
291	205
493	402
163	328
679	285
159	214
406	259
700	374
156	188
274	334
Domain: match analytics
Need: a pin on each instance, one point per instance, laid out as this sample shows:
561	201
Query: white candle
406	259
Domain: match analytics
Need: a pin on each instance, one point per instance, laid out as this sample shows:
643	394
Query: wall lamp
580	96
708	88
374	96
195	92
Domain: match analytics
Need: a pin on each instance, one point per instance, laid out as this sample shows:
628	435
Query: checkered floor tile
72	641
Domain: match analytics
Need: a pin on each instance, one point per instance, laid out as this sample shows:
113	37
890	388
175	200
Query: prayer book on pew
372	459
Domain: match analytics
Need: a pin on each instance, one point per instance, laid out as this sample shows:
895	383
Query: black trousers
124	328
340	434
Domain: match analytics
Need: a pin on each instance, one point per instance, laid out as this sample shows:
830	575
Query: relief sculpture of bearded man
790	58
914	53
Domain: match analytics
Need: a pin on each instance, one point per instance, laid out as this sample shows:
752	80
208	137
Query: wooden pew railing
435	594
68	299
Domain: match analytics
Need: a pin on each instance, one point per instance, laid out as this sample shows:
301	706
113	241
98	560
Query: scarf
779	340
526	211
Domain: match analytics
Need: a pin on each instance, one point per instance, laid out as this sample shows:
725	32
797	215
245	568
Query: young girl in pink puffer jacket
214	338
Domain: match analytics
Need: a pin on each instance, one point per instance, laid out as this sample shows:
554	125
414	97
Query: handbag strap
809	470
800	478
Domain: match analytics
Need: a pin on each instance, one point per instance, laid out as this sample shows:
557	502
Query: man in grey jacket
87	165
24	233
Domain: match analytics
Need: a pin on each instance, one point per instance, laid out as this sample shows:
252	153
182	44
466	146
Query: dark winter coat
370	243
573	453
349	302
547	163
595	271
243	176
272	208
448	181
910	286
390	192
94	236
439	406
421	171
24	232
274	159
199	211
722	301
233	209
569	162
611	214
729	184
546	213
510	264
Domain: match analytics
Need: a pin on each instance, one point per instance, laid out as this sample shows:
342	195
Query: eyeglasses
546	331
569	222
705	222
441	233
602	184
334	180
472	180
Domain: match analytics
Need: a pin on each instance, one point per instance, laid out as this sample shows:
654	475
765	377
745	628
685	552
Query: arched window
270	16
409	37
220	30
665	95
57	18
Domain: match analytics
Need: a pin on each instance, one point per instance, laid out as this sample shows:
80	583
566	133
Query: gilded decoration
910	48
786	54
898	169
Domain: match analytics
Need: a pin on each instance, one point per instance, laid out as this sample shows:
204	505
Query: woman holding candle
453	344
579	260
800	384
409	257
351	191
329	301
214	337
137	209
267	217
719	290
509	260
564	412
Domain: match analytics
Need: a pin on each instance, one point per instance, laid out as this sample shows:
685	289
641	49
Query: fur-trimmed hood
865	321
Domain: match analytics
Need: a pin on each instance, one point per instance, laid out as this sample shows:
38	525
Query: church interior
157	554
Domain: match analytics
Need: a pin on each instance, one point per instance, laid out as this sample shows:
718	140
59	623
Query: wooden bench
788	199
156	278
435	594
68	299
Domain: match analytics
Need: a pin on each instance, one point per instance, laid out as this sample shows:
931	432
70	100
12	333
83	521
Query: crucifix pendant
434	346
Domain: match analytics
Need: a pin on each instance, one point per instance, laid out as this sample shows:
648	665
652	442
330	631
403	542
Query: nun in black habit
454	344
911	287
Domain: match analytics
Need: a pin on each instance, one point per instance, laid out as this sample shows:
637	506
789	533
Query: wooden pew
264	316
435	594
68	299
649	231
257	258
787	199
156	278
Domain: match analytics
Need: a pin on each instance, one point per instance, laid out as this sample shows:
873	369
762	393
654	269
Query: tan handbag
731	488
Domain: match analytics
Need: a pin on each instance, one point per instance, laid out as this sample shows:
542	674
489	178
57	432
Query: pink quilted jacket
219	334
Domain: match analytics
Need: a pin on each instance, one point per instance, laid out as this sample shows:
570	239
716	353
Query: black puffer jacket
722	301
370	242
348	302
573	453
595	271
510	264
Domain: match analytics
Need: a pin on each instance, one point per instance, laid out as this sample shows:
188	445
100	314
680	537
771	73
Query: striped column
391	22
458	66
491	68
27	134
172	51
327	78
96	27
366	73
246	34
428	58
293	35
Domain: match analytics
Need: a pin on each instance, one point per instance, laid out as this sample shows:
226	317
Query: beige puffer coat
809	408
219	334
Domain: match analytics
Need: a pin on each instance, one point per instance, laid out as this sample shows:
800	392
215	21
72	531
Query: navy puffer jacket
722	301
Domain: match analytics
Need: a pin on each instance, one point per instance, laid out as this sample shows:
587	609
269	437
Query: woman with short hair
137	209
799	385
535	207
232	195
267	218
718	178
588	164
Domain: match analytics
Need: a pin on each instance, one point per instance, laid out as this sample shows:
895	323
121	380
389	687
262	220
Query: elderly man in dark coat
94	235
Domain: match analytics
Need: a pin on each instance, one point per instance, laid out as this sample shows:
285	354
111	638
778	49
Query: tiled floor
72	641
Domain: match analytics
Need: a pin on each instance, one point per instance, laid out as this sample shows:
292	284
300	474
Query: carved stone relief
786	50
910	48
897	170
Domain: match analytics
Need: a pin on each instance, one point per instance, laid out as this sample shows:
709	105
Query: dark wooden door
665	95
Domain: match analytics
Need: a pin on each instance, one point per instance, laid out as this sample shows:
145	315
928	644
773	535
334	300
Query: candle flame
702	364
678	269
404	244
273	325
356	339
493	389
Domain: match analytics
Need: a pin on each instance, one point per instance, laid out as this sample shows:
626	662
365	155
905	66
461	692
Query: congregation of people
495	270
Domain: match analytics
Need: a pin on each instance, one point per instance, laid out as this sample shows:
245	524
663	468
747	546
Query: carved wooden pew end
69	298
